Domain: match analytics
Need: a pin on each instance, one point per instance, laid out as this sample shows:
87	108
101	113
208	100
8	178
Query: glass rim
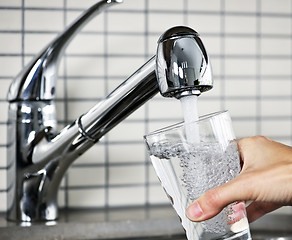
182	124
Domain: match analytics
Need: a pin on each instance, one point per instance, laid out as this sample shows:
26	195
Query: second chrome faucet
38	156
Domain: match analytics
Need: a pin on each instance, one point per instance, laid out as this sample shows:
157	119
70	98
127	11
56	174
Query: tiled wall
250	46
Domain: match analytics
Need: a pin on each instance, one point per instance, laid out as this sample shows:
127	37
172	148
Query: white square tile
126	196
86	176
4	112
157	195
9	195
241	45
217	65
213	45
10	177
241	66
241	6
160	22
87	44
126	44
10	43
39	20
275	67
5	84
60	114
272	128
11	3
130	5
273	6
240	87
44	4
127	131
282	87
12	65
124	65
162	5
156	125
3	137
3	158
244	128
95	155
204	23
85	66
126	153
78	4
3	201
126	174
10	20
61	198
75	109
3	179
242	108
153	179
126	22
240	24
167	108
206	5
94	25
86	198
152	43
276	107
60	88
275	46
85	88
275	25
215	92
206	106
27	60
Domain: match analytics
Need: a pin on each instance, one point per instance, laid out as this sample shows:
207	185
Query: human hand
265	179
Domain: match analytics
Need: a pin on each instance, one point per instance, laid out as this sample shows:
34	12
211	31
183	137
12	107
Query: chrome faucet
38	156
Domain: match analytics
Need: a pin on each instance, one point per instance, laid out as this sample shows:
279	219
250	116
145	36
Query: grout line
146	120
65	103
258	69
290	73
222	53
22	33
106	88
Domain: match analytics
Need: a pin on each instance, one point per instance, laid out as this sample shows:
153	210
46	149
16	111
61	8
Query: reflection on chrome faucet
38	156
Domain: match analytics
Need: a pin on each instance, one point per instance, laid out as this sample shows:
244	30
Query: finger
258	209
213	201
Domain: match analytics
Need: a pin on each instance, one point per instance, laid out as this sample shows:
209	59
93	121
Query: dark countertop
98	224
155	222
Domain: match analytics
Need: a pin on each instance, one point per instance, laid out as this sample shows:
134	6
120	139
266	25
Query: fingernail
194	211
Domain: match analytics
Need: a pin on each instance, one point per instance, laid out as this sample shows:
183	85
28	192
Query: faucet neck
39	158
37	80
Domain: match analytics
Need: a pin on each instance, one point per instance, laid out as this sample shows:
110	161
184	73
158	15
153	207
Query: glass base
243	235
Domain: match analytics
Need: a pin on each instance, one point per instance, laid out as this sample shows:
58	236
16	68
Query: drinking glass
190	159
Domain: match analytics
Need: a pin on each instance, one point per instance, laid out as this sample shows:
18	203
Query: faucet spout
37	80
38	156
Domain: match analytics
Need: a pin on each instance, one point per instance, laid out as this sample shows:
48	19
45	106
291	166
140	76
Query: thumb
213	201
